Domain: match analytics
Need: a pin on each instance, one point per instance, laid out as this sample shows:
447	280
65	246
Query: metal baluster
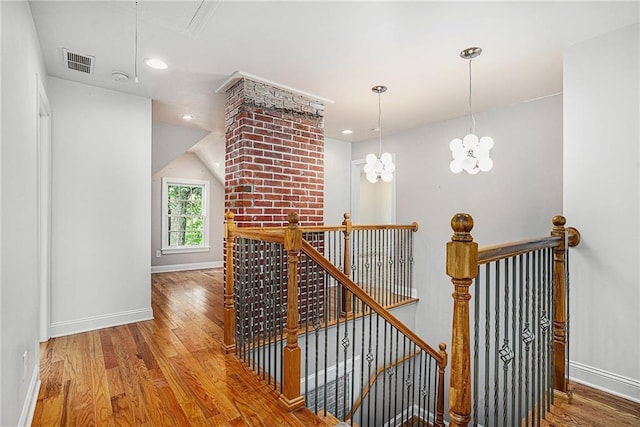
538	293
551	344
418	390
338	308
568	312
476	349
520	323
345	343
527	336
384	364
362	357
513	339
369	361
375	399
429	389
487	340
282	319
404	370
496	348
505	351
354	304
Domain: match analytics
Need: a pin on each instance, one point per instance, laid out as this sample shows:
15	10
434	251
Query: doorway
371	203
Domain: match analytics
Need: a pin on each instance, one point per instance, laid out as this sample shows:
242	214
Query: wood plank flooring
166	372
594	408
171	372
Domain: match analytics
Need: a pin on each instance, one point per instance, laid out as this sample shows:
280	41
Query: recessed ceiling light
156	63
347	132
187	117
217	164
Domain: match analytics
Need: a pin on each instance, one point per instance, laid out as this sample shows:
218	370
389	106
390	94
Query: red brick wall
274	155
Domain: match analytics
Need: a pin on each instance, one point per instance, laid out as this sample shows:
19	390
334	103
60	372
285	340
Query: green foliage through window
185	216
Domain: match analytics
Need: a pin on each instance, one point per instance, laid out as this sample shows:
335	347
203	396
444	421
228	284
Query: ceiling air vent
78	61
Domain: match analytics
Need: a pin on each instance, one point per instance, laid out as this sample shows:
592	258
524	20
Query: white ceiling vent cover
78	61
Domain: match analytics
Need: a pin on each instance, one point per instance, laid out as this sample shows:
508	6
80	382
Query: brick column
274	155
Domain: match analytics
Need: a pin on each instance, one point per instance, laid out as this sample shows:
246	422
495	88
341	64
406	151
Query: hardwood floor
165	372
590	407
171	372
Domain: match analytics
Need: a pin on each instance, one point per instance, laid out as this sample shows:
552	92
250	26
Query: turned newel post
462	267
560	314
346	295
229	310
290	396
439	422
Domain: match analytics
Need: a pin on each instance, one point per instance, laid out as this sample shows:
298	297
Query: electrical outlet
25	359
158	253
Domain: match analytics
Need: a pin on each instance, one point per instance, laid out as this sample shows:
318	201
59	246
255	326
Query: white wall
601	198
337	178
188	166
101	227
19	312
515	200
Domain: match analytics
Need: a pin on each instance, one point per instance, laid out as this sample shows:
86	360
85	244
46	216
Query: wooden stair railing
464	259
358	305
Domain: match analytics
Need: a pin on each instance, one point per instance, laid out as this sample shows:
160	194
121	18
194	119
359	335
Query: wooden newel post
462	267
346	295
560	314
290	396
439	421
229	309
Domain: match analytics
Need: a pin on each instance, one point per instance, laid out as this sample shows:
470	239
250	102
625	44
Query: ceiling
335	50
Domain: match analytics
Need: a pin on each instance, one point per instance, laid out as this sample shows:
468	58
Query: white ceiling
336	50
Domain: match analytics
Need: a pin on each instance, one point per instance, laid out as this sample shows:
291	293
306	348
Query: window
185	223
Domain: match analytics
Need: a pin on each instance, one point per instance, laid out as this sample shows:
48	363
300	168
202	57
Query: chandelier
380	166
471	153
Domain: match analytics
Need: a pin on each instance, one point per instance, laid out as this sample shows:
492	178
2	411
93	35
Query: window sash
191	196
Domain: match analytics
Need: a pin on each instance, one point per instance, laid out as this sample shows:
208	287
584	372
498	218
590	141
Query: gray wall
601	198
101	227
188	166
170	142
515	200
337	178
19	289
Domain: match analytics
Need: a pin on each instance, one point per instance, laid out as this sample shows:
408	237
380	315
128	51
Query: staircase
336	348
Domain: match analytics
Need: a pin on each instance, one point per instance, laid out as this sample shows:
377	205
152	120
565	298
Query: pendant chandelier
471	153
380	166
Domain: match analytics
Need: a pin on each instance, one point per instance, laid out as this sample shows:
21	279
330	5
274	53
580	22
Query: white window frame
166	249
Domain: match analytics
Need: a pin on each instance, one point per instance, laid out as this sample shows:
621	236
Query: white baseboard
69	327
29	406
185	267
618	385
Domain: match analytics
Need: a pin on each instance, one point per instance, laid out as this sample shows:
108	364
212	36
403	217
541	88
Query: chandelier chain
135	59
472	119
379	125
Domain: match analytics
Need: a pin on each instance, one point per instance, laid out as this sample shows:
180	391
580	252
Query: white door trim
43	125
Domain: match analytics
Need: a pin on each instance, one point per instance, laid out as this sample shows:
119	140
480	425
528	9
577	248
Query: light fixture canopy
187	117
380	166
471	153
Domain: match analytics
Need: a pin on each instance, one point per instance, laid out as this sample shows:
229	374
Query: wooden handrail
259	235
492	253
374	378
345	281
